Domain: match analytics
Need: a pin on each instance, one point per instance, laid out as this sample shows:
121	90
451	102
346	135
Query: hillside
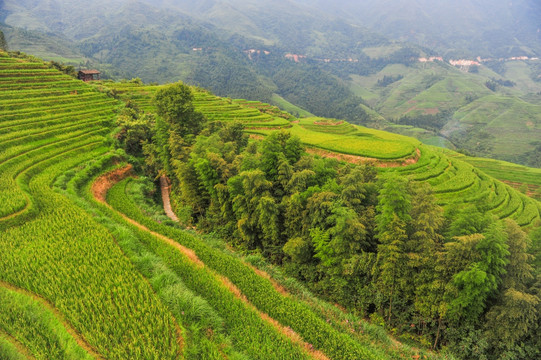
428	229
453	28
312	59
454	181
455	107
106	281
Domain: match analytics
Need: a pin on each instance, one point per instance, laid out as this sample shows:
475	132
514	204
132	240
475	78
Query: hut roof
89	72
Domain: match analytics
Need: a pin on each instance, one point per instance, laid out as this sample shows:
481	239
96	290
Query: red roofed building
88	75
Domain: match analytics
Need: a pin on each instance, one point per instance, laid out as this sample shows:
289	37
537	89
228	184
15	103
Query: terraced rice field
53	251
513	174
455	182
344	138
89	276
253	114
85	279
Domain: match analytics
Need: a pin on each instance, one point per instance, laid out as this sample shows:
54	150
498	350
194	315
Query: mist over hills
484	28
357	61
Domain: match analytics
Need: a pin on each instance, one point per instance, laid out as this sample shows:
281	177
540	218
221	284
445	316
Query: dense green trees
380	246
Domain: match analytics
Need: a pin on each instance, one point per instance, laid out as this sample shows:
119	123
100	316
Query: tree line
456	280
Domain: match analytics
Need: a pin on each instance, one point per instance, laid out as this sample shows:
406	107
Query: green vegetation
289	107
76	265
425	245
29	322
345	138
515	175
9	350
3	42
329	67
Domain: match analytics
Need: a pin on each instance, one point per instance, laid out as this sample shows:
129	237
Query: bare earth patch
165	186
354	159
517	185
101	186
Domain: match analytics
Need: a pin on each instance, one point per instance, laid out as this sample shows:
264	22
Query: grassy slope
454	181
506	116
36	98
49	246
514	174
289	107
76	258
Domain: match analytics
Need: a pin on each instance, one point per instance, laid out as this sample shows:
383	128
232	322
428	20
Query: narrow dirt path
165	186
59	316
101	185
107	181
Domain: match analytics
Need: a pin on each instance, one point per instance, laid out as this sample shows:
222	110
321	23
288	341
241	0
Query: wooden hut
88	75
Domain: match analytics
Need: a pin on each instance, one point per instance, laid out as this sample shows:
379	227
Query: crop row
64	108
29	133
54	249
11	349
13	104
204	328
11	125
35	134
28	79
15	84
251	334
17	171
64	256
369	145
29	322
455	182
258	290
20	65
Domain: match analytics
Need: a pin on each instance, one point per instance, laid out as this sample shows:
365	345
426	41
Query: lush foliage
382	247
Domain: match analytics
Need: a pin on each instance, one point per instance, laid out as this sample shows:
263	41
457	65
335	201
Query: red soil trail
49	306
99	190
354	159
165	187
101	185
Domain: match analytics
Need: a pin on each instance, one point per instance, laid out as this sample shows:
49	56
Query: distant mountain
487	28
235	48
320	57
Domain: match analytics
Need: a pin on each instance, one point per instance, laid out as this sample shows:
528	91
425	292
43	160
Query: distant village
478	61
251	53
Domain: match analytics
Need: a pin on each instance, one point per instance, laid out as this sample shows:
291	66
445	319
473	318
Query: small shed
88	75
